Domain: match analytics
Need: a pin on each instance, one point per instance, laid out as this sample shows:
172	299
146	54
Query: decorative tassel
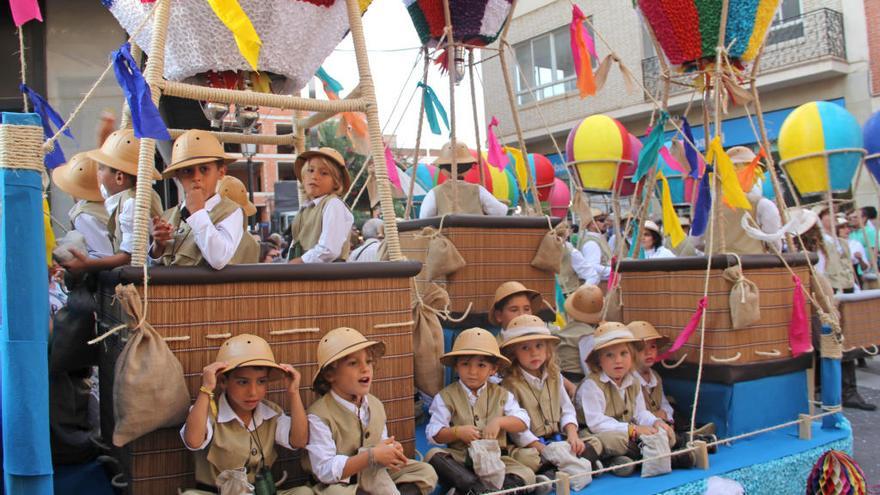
733	194
392	168
432	108
236	20
651	148
580	53
145	118
671	222
49	118
687	331
799	337
702	208
497	156
24	11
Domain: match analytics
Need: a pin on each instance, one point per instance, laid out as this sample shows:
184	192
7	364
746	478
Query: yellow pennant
246	37
730	188
671	223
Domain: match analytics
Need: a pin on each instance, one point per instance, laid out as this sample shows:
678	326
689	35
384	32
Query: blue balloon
871	134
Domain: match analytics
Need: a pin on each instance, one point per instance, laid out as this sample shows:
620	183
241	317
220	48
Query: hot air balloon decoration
871	137
596	150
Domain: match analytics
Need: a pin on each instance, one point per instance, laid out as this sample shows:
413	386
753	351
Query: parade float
732	376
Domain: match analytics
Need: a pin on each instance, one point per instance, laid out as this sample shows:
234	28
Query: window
787	24
281	129
285	171
546	68
648	49
239	170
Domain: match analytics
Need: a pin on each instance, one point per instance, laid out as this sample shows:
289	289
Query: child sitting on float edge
244	428
513	299
348	436
474	408
206	229
612	402
321	230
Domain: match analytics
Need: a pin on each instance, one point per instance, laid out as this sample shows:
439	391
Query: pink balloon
560	197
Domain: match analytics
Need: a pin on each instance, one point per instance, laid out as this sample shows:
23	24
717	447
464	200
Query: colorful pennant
651	148
391	166
799	336
497	156
236	20
688	330
732	192
24	11
433	107
671	222
145	117
50	118
702	209
693	157
580	53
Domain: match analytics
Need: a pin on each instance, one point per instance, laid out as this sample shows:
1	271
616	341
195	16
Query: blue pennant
689	151
432	108
651	149
331	83
145	116
50	118
703	207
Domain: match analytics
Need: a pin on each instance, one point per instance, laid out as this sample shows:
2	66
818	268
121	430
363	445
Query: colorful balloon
687	30
598	143
622	183
819	127
473	175
871	135
474	23
560	198
513	188
542	170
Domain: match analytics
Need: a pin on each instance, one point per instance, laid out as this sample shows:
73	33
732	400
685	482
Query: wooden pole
476	119
450	53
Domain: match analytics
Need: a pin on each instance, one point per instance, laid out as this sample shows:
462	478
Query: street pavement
866	425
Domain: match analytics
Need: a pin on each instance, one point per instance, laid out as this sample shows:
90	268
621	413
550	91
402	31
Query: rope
412	184
21	147
23	66
142	319
476	117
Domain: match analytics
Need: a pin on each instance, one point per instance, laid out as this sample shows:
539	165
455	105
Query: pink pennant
671	161
687	331
24	11
612	277
392	168
497	156
799	329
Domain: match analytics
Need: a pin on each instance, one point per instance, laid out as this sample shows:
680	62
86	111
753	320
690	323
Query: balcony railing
812	36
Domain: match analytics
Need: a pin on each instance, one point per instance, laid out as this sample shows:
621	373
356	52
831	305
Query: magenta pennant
688	330
799	338
24	11
497	156
671	161
392	168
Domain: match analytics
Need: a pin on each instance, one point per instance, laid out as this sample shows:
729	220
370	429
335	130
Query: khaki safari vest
183	250
348	432
567	351
653	396
568	278
93	208
468	199
489	405
729	229
543	406
306	229
621	409
233	447
113	227
838	270
601	241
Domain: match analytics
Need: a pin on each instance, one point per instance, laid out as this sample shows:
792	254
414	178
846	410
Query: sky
394	48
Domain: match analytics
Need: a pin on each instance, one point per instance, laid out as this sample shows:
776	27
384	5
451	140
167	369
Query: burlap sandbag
653	446
234	482
559	454
442	259
745	300
375	480
488	465
149	391
428	339
552	250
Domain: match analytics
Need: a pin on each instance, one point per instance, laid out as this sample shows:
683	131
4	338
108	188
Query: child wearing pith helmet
79	178
322	227
206	228
470	199
347	431
536	383
583	309
512	299
473	408
241	428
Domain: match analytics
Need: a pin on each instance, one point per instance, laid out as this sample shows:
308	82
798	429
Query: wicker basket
497	249
292	307
666	292
861	330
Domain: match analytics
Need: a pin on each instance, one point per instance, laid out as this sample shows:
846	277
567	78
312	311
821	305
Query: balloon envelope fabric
603	142
687	30
872	144
819	127
473	22
622	184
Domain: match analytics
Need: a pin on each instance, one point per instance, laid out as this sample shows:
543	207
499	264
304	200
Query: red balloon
623	183
473	175
544	175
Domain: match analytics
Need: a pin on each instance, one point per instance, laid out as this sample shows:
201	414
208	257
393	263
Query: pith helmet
120	151
525	328
644	331
608	334
474	342
341	342
461	152
79	178
585	304
193	147
741	155
329	153
508	289
249	350
232	188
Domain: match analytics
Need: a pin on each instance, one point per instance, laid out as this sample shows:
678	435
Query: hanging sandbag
428	339
443	258
745	301
149	391
550	252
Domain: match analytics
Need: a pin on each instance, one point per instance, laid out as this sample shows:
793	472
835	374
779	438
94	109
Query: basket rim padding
263	272
719	261
479	221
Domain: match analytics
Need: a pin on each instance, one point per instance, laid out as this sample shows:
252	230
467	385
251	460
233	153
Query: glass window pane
790	8
543	61
524	60
562	44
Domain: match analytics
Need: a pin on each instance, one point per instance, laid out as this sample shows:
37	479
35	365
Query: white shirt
441	417
125	218
326	463
591	399
659	252
856	247
651	384
95	233
336	225
368	251
262	413
768	218
569	416
491	206
588	266
219	242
